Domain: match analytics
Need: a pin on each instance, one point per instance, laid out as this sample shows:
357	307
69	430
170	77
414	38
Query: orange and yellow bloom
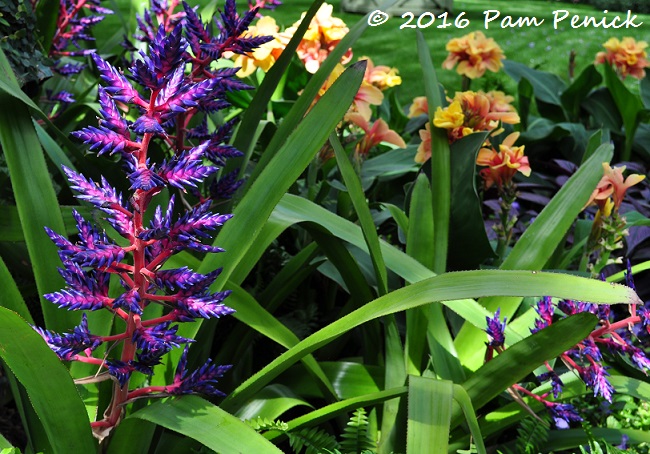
502	165
611	188
471	111
627	56
264	56
473	54
322	36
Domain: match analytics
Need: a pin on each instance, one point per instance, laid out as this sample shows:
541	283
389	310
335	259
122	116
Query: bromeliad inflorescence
174	94
616	334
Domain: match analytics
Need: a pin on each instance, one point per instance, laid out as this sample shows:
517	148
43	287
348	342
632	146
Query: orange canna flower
377	133
474	54
322	36
264	56
612	188
382	77
502	165
628	57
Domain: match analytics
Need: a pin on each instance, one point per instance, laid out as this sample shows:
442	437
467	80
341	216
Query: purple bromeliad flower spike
170	95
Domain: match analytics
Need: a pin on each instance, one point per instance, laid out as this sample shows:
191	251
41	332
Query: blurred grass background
538	47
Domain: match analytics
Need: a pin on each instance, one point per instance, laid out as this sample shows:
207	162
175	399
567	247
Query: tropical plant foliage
222	235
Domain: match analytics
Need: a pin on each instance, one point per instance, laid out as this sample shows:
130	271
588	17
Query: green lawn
540	47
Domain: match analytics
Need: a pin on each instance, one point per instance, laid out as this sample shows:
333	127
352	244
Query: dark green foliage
313	441
355	436
18	40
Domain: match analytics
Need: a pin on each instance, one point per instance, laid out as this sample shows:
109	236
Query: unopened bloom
611	188
382	77
474	54
322	36
376	133
627	56
496	330
503	164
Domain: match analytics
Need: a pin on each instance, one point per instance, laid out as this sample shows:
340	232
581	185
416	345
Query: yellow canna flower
450	117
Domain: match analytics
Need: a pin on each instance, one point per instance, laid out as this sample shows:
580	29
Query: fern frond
355	437
532	435
314	441
261	424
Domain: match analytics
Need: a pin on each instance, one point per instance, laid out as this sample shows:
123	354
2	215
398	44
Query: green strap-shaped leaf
440	162
444	287
537	244
330	411
35	198
10	296
208	424
271	403
465	402
48	383
429	415
352	182
629	105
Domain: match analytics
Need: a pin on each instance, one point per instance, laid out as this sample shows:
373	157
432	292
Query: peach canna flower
420	106
424	150
376	133
502	165
627	56
612	187
474	54
367	95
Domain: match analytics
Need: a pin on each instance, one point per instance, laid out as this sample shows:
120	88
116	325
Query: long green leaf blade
429	415
440	162
35	198
444	287
191	415
49	385
352	182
